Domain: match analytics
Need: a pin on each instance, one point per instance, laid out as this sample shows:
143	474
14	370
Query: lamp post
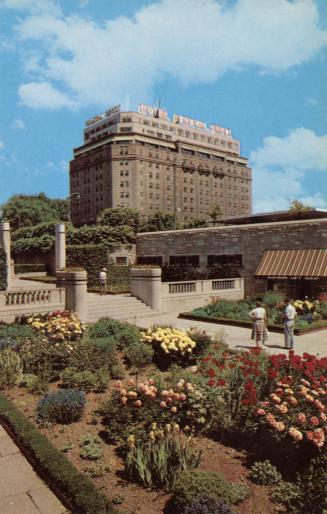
78	195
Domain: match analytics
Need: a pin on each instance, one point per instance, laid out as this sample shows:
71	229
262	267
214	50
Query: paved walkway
238	337
21	490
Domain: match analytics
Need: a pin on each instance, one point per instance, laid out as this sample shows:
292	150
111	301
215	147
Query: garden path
239	337
21	490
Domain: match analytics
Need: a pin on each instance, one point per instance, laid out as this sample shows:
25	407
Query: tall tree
120	216
215	213
298	207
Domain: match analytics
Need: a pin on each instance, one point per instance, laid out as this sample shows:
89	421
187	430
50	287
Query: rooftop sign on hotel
103	116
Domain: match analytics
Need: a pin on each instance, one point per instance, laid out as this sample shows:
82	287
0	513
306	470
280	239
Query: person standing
289	322
103	280
259	328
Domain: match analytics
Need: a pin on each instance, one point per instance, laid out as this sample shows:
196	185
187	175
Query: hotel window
184	260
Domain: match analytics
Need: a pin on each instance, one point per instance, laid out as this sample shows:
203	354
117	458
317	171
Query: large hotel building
146	161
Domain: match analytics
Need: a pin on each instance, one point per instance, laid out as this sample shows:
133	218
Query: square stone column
6	241
146	286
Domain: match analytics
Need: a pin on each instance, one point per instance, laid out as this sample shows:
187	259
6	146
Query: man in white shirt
103	280
289	322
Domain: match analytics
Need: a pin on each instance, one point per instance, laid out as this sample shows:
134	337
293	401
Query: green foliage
85	380
139	355
123	333
288	494
207	505
98	470
118	371
215	213
313	485
100	234
33	383
29	210
3	269
19	333
158	461
264	473
272	299
298	207
195	484
159	221
61	406
90	448
202	340
7	343
28	268
83	496
10	368
120	216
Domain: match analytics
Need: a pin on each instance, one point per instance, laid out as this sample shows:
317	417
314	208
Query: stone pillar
146	286
5	239
60	246
75	283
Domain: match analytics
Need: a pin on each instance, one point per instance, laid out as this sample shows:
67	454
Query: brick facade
248	240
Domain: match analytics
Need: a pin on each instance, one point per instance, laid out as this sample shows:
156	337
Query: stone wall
249	240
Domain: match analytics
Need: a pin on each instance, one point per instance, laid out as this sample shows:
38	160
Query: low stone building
276	251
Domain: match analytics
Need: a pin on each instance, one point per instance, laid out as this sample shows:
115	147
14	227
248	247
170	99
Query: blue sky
258	67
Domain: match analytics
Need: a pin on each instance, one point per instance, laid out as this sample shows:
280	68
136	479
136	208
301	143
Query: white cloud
194	41
18	125
281	167
43	95
310	102
33	6
2	145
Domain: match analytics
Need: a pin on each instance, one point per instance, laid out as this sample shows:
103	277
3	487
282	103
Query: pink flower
183	397
138	403
301	417
309	398
163	404
132	394
323	416
314	420
259	412
296	434
280	426
131	382
173	409
275	398
123	399
164	393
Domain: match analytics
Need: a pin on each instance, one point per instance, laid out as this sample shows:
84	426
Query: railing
182	287
222	284
32	297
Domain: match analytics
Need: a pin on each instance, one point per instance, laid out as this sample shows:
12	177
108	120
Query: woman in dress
259	328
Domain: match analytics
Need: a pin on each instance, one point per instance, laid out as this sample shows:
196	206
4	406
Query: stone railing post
60	246
6	241
75	284
146	286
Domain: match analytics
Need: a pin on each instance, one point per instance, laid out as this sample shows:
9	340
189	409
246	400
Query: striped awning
293	263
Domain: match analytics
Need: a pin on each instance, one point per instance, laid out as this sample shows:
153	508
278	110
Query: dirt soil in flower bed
136	499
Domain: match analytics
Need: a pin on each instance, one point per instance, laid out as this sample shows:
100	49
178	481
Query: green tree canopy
28	210
215	213
120	216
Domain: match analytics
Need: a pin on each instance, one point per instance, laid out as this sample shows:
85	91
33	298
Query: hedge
78	492
95	257
28	268
3	269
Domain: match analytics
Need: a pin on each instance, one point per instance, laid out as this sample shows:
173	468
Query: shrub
196	484
201	339
207	505
10	368
19	333
81	380
90	448
58	326
159	457
7	342
288	494
272	299
92	354
33	383
61	406
123	333
139	355
264	473
118	371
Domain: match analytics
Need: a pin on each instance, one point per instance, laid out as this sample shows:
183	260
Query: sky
258	67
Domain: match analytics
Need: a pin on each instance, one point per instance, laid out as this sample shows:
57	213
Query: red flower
211	372
221	382
211	383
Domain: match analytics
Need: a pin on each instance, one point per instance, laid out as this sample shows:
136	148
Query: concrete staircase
122	307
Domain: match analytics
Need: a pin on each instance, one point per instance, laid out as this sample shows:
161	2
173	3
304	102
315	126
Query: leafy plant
288	494
90	448
195	484
139	355
61	406
10	368
81	380
98	470
123	333
33	383
207	505
159	458
264	473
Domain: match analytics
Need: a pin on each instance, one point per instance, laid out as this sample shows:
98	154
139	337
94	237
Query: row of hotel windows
193	260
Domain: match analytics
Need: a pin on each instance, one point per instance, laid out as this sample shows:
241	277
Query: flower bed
312	316
157	424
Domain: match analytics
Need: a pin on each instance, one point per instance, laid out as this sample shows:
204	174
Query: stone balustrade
26	302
